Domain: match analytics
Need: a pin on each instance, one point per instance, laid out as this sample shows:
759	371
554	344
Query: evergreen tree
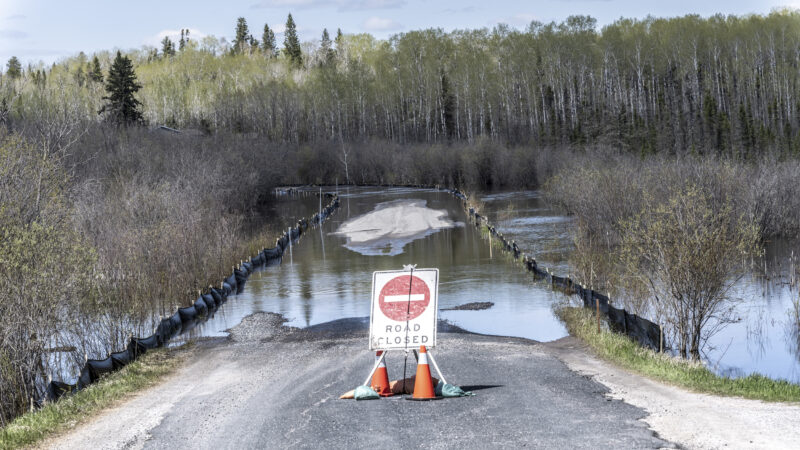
339	41
182	41
121	85
291	43
242	36
13	68
167	47
95	73
268	41
254	44
326	49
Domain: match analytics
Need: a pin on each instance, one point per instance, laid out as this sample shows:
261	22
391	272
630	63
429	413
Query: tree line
721	85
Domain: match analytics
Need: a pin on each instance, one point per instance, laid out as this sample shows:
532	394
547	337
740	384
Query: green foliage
45	269
241	43
291	43
13	68
167	47
684	85
687	253
268	45
33	427
621	350
122	107
328	54
95	72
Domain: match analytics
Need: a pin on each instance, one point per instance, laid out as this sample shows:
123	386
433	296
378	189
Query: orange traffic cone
380	379
423	384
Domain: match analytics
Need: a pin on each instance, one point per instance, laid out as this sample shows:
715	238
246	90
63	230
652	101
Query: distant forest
723	85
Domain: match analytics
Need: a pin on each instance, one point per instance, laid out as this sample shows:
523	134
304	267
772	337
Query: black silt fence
185	318
644	332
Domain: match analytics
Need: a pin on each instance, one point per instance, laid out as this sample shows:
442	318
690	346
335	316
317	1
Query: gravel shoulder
273	386
690	419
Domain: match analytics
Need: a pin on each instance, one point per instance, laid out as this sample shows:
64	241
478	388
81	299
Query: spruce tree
13	68
167	47
122	107
291	43
182	42
326	49
339	41
95	73
253	42
242	36
268	41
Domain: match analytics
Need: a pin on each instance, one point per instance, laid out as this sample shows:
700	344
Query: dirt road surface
270	386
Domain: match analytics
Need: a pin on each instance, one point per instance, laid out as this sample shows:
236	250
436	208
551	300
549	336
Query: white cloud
13	34
341	5
174	35
517	20
380	24
16	17
361	5
300	4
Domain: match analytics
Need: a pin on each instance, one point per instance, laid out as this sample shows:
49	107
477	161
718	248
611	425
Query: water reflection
328	281
317	289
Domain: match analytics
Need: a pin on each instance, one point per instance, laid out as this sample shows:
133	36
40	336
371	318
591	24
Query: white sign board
404	309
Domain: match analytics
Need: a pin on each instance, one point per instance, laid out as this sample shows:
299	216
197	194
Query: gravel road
271	386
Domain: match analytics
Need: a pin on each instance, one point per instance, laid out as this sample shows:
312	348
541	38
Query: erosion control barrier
641	330
187	317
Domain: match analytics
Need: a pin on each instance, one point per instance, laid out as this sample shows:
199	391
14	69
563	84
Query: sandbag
257	260
272	253
231	281
450	390
170	327
121	359
248	268
406	386
227	288
188	315
283	242
365	393
100	367
201	307
140	346
219	296
85	377
209	301
241	277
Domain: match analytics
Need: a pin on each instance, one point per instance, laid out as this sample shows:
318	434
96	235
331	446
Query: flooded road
327	276
323	280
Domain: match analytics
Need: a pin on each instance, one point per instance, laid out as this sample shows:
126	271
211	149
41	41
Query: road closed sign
404	309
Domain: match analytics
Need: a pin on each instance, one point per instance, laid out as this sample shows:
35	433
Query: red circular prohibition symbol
394	298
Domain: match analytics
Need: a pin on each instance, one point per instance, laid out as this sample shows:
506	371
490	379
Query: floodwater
327	278
323	280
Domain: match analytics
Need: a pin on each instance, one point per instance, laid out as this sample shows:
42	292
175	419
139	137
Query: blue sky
39	30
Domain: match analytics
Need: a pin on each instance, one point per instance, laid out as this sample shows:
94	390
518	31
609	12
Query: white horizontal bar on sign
404	298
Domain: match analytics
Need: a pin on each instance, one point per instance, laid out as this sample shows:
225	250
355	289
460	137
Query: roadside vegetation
691	375
53	418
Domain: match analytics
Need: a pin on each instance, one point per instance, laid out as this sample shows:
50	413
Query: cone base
423	399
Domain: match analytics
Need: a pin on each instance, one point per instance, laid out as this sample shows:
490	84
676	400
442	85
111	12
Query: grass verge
72	410
690	375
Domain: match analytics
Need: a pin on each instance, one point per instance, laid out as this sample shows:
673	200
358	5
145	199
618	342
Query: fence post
660	339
